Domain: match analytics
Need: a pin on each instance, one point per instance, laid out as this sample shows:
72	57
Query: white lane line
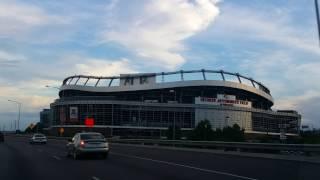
94	178
56	157
185	166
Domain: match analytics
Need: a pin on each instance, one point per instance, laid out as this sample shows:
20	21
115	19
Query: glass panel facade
127	115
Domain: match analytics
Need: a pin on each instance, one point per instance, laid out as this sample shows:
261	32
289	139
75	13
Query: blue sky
42	42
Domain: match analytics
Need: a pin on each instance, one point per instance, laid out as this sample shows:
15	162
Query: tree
218	134
203	131
234	133
311	136
34	128
28	130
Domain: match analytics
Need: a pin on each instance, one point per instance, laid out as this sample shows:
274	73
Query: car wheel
68	153
105	155
75	155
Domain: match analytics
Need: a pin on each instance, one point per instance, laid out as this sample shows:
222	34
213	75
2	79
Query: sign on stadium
73	113
223	99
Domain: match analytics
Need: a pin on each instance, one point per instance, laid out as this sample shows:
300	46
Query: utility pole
318	18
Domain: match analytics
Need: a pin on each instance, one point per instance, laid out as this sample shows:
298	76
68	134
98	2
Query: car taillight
82	143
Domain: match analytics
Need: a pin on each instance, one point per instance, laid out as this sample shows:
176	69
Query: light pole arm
15	102
47	86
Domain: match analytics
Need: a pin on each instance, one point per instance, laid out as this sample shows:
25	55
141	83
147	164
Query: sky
42	42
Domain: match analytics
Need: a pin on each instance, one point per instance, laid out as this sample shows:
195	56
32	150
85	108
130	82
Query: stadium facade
149	103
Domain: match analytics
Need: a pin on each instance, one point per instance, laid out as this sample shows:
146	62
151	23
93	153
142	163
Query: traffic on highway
21	160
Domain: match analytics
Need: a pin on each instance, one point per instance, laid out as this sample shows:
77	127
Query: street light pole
19	116
318	17
19	108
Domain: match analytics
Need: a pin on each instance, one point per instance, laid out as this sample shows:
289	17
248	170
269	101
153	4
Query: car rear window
91	136
39	135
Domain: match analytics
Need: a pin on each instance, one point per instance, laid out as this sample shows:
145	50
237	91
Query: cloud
293	101
9	59
156	32
32	92
28	93
266	25
10	56
18	19
100	67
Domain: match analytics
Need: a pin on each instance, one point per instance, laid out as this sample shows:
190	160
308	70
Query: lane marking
94	178
56	157
185	166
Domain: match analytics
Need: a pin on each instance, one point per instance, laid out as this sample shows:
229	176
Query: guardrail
30	135
306	149
232	146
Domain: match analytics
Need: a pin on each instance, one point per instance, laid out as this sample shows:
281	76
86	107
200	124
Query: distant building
45	118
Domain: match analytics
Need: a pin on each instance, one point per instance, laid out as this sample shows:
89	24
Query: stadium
147	104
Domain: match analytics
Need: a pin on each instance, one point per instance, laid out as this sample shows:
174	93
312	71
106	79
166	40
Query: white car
38	139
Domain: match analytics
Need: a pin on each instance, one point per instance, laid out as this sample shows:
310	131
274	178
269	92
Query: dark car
1	137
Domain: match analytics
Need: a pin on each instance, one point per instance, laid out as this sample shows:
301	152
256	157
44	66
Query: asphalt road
19	160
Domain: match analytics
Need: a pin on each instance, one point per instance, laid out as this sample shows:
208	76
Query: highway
21	161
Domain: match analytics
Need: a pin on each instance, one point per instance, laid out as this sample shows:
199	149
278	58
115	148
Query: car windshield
91	136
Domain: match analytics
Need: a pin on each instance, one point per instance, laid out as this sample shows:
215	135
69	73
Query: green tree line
204	132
